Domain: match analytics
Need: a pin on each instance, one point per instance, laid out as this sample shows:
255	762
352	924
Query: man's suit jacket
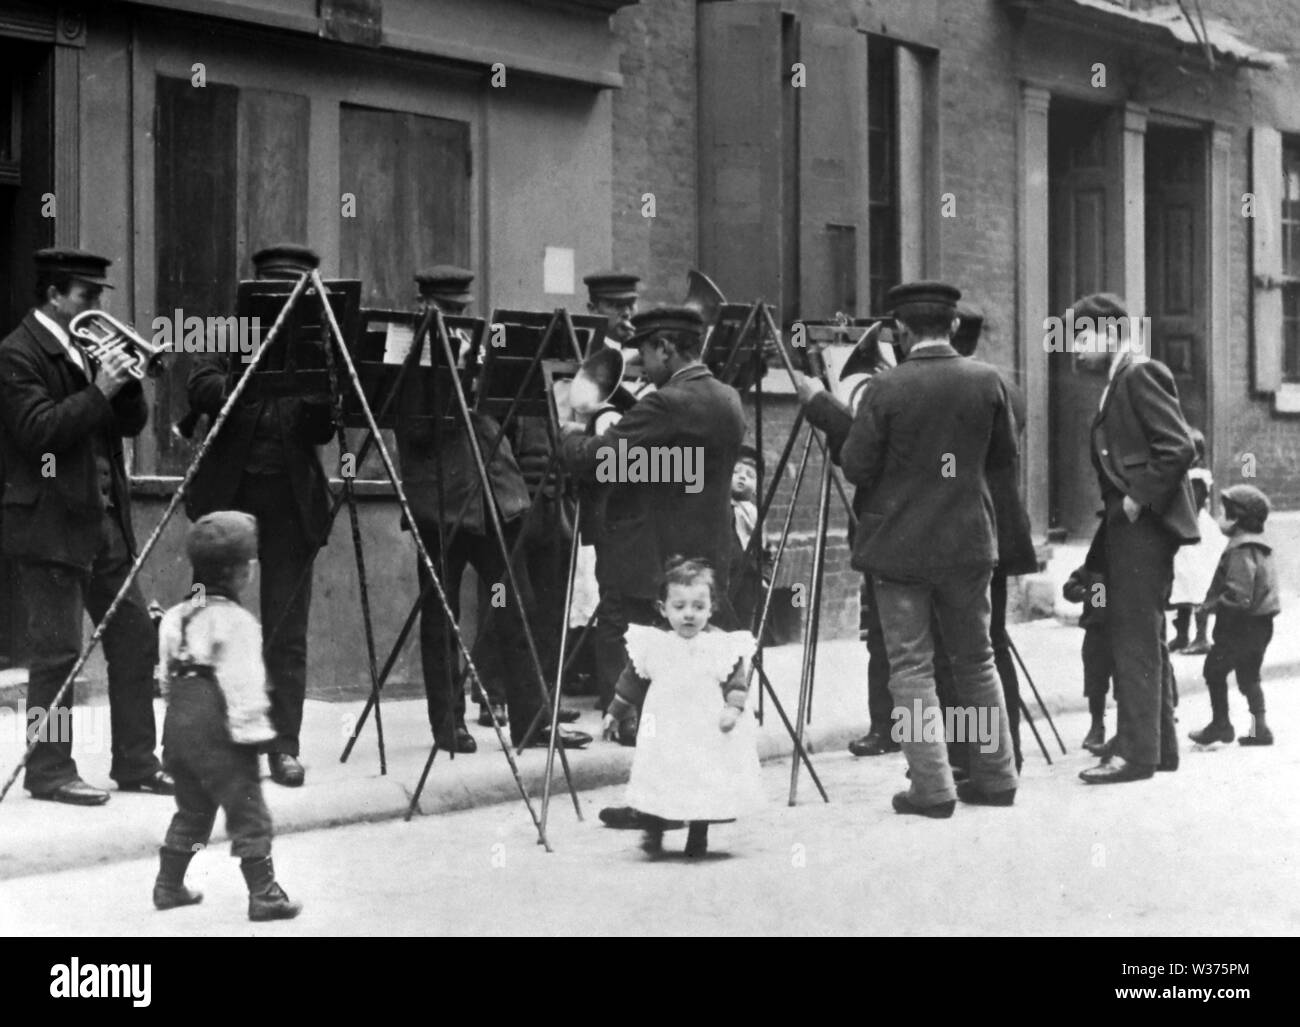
1142	446
646	523
304	425
926	436
54	511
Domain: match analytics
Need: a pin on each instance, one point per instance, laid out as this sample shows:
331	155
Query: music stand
295	363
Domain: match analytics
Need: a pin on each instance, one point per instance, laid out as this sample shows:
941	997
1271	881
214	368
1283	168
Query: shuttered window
230	177
1291	260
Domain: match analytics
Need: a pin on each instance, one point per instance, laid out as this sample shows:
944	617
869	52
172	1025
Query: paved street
1210	849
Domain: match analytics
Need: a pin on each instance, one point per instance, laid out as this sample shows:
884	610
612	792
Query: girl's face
687	608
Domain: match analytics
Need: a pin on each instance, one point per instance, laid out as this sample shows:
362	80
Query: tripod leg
810	623
800	751
1024	712
396	482
1034	688
559	675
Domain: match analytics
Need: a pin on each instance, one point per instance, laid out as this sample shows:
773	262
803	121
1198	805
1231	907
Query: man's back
923	439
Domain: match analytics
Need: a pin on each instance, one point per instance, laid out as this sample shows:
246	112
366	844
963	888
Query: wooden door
1175	271
1083	189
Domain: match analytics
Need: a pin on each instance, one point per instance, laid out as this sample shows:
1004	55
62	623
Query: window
882	181
229	163
1291	260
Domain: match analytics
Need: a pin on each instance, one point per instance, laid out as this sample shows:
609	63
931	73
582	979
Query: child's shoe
1178	644
1214	731
169	891
1096	736
266	899
1199	647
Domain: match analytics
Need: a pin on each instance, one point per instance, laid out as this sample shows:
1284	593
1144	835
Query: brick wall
655	145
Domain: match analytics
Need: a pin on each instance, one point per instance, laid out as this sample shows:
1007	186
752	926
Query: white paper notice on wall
557	271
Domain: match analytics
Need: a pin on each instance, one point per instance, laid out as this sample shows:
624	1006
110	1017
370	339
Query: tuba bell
597	390
704	296
99	333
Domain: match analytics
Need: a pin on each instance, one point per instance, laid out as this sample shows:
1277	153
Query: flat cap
285	259
223	536
930	294
1250	501
446	282
666	319
60	260
612	285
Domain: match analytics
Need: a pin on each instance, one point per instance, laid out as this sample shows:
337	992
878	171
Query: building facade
809	152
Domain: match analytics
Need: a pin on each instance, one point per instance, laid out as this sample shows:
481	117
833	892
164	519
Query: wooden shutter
273	136
1266	255
741	148
410	176
195	190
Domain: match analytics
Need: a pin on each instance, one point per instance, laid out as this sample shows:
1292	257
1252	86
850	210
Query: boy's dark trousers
1096	662
880	704
211	772
1239	644
56	598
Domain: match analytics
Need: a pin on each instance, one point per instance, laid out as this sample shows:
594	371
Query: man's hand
609	728
1131	508
727	719
568	428
114	372
806	388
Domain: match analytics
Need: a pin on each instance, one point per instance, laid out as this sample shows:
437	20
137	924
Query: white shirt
60	333
929	344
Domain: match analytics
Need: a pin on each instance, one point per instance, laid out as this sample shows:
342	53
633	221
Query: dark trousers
1139	575
959	752
880	704
614	613
211	773
1096	662
959	599
507	671
546	557
56	598
1239	644
285	556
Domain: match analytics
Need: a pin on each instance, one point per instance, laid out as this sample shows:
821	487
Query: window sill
156	487
1286	401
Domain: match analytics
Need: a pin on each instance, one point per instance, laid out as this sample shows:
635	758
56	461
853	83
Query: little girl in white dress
696	756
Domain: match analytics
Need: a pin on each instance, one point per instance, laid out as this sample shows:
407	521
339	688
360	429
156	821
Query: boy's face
1227	521
687	608
744	480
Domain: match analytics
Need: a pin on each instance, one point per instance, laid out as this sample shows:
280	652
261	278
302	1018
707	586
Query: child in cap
210	666
747	582
1244	600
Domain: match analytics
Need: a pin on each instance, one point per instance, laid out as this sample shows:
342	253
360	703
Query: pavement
1206	851
40	837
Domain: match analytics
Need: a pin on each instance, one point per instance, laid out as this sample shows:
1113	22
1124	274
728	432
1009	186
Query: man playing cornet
67	523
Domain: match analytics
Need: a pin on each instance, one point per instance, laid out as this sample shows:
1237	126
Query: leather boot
1219	729
266	899
169	889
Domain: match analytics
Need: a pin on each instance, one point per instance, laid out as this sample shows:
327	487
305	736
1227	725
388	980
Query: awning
1160	24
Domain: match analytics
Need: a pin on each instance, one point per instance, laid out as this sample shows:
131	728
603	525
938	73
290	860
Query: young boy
1244	599
210	663
746	584
1087	585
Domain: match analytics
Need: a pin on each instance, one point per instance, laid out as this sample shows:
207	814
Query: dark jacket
1016	553
304	425
926	436
645	523
48	408
1142	446
1246	580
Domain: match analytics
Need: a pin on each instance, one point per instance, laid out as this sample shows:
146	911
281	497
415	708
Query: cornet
98	333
